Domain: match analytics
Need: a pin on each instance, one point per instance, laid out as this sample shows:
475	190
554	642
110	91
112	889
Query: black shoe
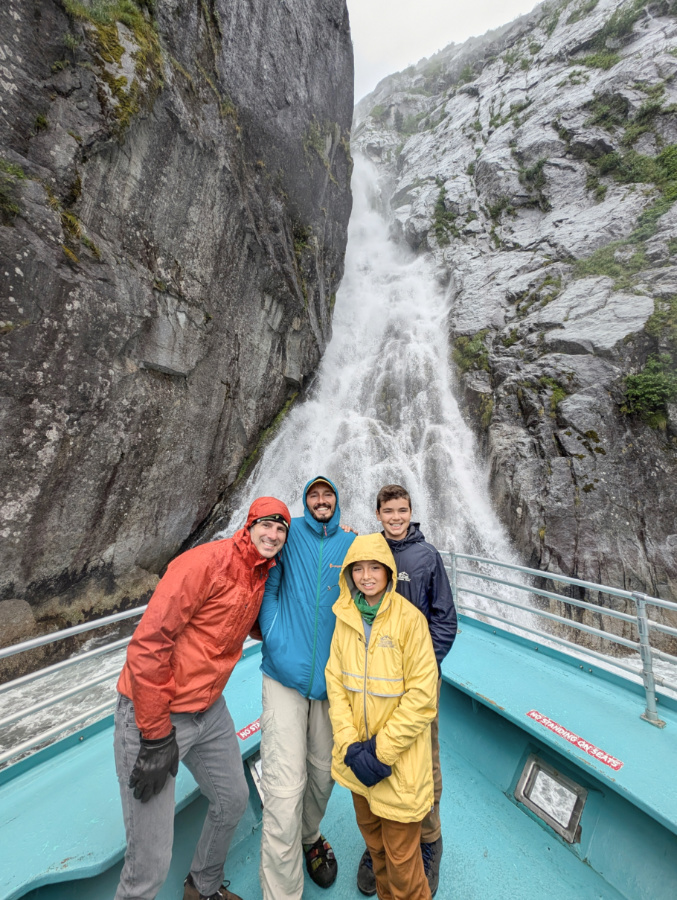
432	857
366	880
321	862
190	892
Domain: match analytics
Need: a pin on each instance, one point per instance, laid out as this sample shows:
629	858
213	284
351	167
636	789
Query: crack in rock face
534	166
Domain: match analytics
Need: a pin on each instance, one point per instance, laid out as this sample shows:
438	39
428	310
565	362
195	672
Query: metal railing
468	588
464	581
96	712
42	737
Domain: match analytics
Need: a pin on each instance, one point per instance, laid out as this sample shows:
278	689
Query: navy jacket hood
414	536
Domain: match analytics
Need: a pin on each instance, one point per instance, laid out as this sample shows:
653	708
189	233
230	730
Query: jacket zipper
366	660
317	610
364	685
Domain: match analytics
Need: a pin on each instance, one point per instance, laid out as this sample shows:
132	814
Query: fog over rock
538	166
174	199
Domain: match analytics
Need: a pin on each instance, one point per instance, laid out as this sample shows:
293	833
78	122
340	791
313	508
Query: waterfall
383	406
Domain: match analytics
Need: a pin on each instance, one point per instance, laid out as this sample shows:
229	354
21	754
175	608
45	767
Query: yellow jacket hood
364	547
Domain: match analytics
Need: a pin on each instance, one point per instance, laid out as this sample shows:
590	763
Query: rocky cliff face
538	165
174	193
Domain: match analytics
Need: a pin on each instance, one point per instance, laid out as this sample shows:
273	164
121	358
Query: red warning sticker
577	741
249	730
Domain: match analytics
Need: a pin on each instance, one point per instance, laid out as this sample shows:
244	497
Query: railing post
453	578
650	714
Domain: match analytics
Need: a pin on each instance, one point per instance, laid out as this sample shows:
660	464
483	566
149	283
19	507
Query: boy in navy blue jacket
422	579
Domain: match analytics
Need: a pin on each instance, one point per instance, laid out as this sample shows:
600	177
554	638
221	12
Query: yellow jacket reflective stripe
388	689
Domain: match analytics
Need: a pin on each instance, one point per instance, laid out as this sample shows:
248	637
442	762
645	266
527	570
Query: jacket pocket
271	629
269	748
405	777
229	612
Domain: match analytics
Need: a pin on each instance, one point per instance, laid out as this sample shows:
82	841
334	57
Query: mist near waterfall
383	406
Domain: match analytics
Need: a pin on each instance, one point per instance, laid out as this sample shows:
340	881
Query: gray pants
296	748
209	747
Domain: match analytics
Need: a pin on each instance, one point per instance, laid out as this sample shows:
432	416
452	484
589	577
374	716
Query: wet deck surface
493	851
605	711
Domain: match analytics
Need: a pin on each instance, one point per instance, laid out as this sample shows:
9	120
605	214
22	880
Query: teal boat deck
592	702
60	815
495	849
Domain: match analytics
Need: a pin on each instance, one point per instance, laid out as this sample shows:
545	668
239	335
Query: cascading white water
383	407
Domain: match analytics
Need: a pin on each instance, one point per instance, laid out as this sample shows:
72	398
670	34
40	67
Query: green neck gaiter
367	612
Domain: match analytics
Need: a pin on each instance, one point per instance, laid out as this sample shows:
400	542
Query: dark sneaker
432	856
366	880
190	892
321	862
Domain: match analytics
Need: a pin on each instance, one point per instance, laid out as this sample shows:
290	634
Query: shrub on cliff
471	352
648	393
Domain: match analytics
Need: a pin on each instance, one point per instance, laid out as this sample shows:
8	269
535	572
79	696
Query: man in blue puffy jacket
422	579
297	624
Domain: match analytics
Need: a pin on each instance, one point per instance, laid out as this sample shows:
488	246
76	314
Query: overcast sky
389	35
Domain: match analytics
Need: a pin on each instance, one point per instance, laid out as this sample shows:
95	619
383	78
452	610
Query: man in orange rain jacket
171	707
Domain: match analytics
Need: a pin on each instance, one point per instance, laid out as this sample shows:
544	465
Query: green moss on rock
662	323
471	352
648	393
266	436
444	220
10	177
101	18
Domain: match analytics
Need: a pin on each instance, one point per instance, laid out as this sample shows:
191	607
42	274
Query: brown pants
395	849
431	826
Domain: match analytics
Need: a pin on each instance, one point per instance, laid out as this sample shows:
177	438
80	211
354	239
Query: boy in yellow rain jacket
382	689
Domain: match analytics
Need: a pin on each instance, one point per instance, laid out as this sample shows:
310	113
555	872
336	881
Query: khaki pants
395	849
431	826
296	748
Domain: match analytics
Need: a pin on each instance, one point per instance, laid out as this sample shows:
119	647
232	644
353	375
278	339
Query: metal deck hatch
553	797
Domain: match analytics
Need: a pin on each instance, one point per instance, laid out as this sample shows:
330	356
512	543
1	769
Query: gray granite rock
592	316
175	206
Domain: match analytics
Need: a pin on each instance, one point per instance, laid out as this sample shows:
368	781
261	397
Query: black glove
366	766
155	761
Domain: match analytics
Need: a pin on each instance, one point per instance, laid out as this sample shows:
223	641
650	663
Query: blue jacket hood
332	525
